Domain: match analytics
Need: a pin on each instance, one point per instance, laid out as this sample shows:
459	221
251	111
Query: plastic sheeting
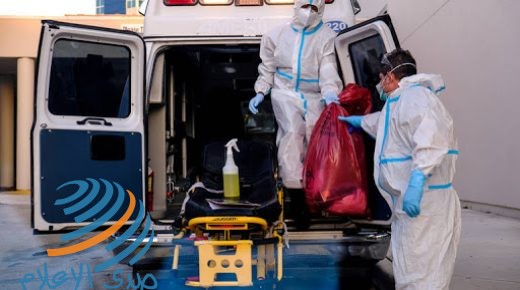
334	175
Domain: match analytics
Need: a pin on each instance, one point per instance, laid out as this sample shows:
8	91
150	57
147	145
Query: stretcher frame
211	260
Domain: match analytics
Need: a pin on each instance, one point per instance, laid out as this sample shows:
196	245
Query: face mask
382	94
305	17
379	87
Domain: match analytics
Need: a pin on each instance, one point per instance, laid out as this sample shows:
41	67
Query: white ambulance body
186	82
230	33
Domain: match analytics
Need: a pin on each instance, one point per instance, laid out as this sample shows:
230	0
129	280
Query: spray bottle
230	172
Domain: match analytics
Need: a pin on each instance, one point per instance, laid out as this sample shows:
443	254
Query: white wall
370	8
475	45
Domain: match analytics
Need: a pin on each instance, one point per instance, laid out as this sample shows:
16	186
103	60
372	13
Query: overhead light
215	2
279	1
248	2
179	2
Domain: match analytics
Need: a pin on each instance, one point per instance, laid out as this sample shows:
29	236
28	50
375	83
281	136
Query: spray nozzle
232	144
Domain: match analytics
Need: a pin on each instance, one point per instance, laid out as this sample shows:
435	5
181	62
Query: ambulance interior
199	94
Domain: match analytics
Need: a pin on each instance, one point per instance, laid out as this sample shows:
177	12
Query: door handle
94	121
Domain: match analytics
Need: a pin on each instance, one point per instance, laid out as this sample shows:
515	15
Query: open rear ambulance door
359	50
88	148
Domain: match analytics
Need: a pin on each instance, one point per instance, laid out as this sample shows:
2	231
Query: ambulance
113	105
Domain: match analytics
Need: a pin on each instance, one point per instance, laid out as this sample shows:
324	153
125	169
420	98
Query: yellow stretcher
227	247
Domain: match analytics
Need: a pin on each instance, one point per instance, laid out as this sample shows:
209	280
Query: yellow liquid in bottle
231	186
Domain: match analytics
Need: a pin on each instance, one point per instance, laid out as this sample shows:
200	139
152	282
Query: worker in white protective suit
414	165
299	70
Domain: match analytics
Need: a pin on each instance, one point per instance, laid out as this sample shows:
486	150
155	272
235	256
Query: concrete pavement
488	255
24	263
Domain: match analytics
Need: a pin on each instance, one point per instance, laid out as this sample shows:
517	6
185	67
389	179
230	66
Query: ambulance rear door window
89	79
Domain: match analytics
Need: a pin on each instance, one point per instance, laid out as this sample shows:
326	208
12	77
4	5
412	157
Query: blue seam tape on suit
285	75
387	120
406	158
289	77
396	159
439	186
299	63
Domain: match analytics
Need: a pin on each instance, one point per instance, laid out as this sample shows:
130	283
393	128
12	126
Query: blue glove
414	193
330	97
353	121
255	102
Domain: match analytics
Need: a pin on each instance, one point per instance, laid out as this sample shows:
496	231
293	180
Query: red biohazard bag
334	173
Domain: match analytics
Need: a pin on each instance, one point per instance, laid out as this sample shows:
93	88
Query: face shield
385	69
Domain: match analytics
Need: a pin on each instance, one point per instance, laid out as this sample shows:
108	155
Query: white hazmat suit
298	68
414	131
